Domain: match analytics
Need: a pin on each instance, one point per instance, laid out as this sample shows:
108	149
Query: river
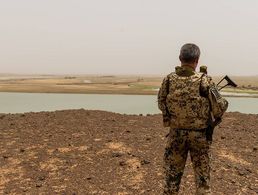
125	104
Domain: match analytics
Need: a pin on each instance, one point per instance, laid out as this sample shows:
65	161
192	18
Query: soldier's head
189	54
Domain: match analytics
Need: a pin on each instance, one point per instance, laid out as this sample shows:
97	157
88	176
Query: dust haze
126	37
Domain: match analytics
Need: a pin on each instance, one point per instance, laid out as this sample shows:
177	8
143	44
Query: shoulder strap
202	93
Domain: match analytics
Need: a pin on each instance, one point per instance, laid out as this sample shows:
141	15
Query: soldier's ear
196	62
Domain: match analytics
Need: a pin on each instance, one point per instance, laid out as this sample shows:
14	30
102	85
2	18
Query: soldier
184	101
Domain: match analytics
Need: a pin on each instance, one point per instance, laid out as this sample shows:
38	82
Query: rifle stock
229	82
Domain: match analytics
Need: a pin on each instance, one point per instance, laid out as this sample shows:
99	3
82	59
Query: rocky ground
97	152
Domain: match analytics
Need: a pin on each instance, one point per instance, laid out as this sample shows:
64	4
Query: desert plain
105	84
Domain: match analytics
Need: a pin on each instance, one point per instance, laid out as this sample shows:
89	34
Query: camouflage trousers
176	151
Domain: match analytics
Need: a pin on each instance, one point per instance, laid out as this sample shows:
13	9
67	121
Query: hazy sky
126	36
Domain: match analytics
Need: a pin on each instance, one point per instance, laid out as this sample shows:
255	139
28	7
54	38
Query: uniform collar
184	71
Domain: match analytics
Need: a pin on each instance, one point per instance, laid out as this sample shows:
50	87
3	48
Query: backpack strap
202	93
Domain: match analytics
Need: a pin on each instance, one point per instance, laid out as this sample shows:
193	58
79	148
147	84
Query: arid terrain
97	152
82	84
103	84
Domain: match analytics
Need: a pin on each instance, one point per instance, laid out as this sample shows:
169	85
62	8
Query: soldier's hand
166	121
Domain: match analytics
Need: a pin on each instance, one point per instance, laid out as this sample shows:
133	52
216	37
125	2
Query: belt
204	129
197	130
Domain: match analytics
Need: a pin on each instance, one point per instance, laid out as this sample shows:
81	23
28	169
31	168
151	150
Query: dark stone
145	162
38	185
117	154
25	190
122	163
241	173
41	178
248	170
220	177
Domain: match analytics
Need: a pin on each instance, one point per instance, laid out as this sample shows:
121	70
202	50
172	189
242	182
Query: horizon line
104	74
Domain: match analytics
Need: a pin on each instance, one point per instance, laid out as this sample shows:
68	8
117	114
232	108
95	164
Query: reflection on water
239	94
128	104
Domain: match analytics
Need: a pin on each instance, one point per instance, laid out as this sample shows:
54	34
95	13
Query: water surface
128	104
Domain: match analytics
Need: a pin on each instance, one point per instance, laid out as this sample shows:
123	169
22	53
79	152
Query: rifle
211	126
229	83
213	122
203	69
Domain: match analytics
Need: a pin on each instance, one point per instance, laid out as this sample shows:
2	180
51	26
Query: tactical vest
188	109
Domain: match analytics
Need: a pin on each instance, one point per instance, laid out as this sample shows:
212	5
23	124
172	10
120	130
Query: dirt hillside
96	152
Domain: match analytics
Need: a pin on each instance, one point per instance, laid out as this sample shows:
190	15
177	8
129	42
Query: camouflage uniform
183	101
178	145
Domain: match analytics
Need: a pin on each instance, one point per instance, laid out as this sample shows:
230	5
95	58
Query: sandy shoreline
98	152
110	92
92	84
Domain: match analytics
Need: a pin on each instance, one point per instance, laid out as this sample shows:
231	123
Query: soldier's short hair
189	53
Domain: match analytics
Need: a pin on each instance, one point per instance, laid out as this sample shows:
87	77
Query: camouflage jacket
183	99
